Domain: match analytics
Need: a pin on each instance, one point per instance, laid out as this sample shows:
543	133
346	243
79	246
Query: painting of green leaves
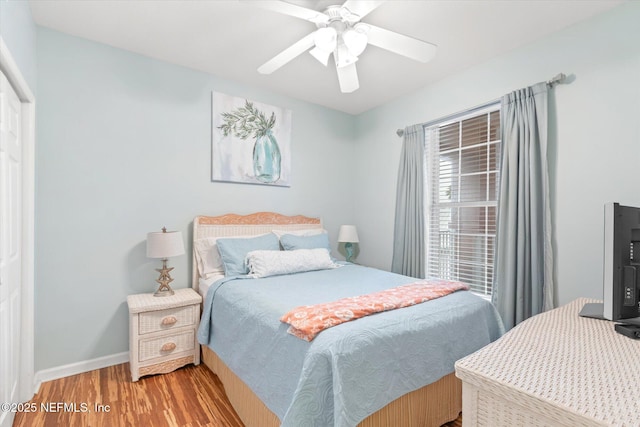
251	141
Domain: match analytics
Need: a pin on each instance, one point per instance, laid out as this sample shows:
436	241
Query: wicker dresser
555	369
162	332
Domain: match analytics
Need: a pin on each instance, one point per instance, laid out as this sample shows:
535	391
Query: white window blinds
462	181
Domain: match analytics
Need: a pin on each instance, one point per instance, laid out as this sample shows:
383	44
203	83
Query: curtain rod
558	78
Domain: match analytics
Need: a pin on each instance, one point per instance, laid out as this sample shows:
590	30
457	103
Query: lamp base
163	291
349	249
165	278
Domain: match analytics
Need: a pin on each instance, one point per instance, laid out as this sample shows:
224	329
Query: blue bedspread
349	371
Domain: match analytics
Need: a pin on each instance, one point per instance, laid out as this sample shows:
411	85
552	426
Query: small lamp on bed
348	235
164	244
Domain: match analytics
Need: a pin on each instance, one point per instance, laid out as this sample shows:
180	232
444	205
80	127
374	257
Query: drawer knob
169	346
169	320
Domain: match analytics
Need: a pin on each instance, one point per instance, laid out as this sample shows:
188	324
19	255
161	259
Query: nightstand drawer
166	345
162	320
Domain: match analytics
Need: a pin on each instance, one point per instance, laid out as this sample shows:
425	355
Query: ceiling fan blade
362	7
401	44
348	78
291	10
287	55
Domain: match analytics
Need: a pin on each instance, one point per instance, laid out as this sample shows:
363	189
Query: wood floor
190	397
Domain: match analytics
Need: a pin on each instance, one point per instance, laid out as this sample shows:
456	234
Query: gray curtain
408	234
523	265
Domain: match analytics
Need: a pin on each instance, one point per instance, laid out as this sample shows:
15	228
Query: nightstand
162	332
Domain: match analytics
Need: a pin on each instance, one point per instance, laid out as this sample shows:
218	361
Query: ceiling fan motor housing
347	31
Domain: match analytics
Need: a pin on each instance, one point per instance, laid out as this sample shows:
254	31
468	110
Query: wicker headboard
245	225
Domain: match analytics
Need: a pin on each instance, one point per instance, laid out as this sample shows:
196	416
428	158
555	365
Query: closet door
10	246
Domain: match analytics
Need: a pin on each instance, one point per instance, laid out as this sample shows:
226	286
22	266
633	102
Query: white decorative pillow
273	263
208	256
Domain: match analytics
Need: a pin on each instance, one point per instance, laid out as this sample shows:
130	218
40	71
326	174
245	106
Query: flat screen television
621	281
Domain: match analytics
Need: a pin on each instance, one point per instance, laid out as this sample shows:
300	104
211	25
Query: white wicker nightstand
162	332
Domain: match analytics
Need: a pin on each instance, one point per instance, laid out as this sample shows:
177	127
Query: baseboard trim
78	368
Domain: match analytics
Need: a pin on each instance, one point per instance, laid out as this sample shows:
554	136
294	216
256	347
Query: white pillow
208	257
272	263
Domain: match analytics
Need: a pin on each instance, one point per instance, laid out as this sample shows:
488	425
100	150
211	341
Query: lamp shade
326	39
356	39
163	244
343	57
320	55
348	233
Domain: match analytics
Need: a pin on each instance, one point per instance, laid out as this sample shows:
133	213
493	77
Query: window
462	180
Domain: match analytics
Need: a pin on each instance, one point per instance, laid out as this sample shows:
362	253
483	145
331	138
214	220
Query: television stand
634	321
595	310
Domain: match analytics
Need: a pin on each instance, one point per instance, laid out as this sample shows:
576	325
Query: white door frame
27	386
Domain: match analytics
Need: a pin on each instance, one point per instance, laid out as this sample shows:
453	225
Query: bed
392	368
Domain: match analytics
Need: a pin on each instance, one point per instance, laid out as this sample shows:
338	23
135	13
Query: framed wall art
251	141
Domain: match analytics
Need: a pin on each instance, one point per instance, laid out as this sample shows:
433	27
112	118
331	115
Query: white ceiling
231	39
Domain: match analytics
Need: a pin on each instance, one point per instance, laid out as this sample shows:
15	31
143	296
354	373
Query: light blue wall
19	34
124	149
594	153
124	145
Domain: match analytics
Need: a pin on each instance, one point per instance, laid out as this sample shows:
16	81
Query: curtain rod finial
400	132
559	78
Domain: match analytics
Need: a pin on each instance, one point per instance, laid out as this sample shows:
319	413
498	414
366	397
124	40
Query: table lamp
164	244
348	235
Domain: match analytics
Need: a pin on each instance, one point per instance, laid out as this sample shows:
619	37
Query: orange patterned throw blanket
308	321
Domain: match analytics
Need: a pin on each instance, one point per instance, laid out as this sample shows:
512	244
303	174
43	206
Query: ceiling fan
340	32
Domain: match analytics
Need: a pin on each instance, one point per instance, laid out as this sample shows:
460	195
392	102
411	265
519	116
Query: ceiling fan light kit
340	32
321	55
326	39
356	39
343	56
